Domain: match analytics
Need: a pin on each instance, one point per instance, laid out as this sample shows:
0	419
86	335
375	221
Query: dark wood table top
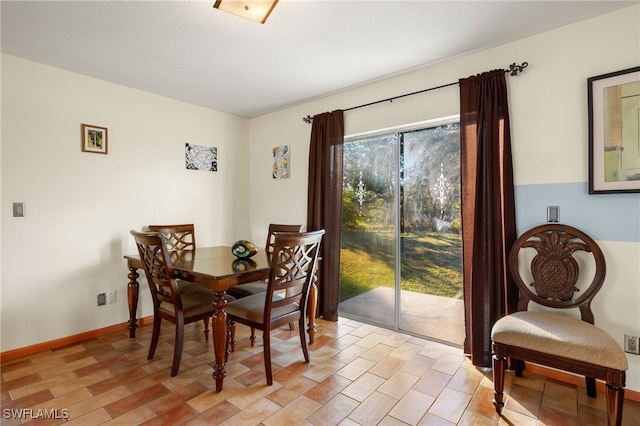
215	266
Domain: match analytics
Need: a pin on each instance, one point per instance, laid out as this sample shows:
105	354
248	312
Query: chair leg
252	338
231	339
303	340
518	366
155	336
267	356
590	383
177	351
615	400
499	366
206	327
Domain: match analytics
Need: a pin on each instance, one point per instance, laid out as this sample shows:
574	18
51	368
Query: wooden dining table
217	268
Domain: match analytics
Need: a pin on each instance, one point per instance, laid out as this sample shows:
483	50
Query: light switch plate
553	213
18	209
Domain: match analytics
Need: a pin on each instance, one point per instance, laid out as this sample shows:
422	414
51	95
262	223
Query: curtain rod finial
516	69
308	119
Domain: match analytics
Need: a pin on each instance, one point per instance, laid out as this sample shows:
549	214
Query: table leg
132	294
313	306
219	325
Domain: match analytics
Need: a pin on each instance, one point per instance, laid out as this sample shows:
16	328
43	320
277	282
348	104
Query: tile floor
359	375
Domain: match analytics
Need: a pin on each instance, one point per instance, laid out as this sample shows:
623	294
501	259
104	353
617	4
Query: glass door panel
431	301
368	255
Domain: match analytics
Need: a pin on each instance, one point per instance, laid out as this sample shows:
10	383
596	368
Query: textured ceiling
188	50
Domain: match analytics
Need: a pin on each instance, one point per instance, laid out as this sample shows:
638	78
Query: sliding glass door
401	258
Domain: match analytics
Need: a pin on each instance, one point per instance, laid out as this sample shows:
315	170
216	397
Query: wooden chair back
257	287
158	269
560	256
292	270
177	238
275	228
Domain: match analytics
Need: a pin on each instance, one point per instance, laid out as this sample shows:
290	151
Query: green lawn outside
432	263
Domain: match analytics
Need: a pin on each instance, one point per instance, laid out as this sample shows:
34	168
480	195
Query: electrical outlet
102	299
632	344
111	296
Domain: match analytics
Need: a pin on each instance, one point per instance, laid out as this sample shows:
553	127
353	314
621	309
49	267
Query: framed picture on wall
280	162
95	139
614	132
201	157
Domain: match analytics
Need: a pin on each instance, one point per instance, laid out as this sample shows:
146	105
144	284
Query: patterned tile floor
359	375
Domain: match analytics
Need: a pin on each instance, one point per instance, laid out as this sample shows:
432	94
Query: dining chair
169	302
180	239
292	263
256	287
558	267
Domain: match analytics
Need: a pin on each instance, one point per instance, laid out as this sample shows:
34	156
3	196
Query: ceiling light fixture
255	10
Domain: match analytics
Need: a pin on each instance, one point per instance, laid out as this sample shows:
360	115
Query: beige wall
80	207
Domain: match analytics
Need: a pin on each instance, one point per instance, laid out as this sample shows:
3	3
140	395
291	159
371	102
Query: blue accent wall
607	217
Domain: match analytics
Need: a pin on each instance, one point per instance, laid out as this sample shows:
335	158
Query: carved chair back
177	238
554	279
273	229
158	269
292	270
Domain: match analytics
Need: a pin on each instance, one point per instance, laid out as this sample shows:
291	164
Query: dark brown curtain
324	205
488	209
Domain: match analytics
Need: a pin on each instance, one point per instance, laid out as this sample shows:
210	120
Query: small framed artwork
200	157
614	132
95	139
280	162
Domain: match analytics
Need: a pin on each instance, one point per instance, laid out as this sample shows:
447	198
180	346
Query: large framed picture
614	132
94	139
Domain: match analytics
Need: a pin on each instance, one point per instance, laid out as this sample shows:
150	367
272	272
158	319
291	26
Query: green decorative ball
243	249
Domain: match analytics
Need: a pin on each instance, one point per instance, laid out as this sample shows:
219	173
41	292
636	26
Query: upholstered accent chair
558	267
293	264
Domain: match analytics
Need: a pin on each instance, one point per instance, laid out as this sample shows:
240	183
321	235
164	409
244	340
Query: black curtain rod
512	70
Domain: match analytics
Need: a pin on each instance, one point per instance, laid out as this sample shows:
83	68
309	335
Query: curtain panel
488	209
324	204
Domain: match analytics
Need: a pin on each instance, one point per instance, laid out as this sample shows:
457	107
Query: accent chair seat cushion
560	335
